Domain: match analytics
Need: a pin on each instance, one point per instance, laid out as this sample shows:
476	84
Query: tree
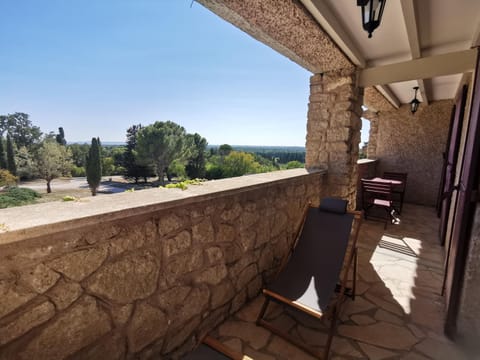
94	166
196	148
159	144
134	169
52	160
224	150
79	153
25	162
60	137
3	160
11	166
239	163
20	128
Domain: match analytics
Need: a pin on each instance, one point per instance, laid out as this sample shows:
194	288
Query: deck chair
309	280
212	349
378	195
398	191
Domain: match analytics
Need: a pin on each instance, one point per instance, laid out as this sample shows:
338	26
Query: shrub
6	178
15	196
78	171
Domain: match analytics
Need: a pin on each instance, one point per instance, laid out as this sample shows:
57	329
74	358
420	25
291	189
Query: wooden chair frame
349	265
377	195
397	190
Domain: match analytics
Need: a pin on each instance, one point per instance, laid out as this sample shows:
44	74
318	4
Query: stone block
238	301
335	134
40	278
177	338
111	347
170	299
73	329
80	264
64	293
177	244
246	239
232	213
254	287
26	320
169	223
232	252
245	276
127	279
182	264
203	232
225	233
121	314
194	304
214	255
13	296
221	294
147	325
213	275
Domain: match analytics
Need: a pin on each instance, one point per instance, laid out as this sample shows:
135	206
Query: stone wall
145	281
414	144
333	131
367	168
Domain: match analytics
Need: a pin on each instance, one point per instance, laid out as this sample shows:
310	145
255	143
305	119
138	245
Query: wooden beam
329	22
410	20
389	95
424	68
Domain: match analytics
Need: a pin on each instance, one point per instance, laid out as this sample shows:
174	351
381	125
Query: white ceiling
410	29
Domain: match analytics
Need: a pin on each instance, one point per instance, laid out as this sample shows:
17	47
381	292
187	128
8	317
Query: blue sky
97	67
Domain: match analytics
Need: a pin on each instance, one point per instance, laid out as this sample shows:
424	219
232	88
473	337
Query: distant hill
261	148
104	143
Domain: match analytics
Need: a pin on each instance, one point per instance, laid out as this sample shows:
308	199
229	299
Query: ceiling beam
410	20
389	95
330	24
476	37
424	68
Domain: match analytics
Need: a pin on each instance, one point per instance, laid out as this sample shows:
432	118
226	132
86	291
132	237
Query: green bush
78	171
15	196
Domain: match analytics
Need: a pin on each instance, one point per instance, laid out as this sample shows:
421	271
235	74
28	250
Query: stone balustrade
147	273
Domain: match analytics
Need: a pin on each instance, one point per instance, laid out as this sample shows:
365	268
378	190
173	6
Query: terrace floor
398	313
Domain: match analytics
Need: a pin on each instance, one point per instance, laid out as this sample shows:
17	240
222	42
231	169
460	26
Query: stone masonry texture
414	144
147	285
333	131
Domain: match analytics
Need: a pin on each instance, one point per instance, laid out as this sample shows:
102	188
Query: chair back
376	190
396	176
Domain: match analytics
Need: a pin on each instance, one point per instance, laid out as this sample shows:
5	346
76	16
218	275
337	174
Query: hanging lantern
372	11
414	103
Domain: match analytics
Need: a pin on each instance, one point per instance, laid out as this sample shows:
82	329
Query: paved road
76	183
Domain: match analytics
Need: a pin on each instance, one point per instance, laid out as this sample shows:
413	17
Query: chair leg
328	345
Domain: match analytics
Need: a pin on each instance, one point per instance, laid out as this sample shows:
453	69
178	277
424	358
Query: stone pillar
372	136
333	131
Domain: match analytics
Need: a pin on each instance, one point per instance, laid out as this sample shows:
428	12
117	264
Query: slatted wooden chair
377	195
311	279
398	190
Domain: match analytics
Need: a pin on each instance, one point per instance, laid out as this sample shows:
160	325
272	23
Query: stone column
333	131
372	136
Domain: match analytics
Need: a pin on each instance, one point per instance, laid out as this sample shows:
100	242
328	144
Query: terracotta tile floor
398	313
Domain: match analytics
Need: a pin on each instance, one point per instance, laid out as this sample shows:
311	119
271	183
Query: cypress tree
61	137
11	156
94	166
3	161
